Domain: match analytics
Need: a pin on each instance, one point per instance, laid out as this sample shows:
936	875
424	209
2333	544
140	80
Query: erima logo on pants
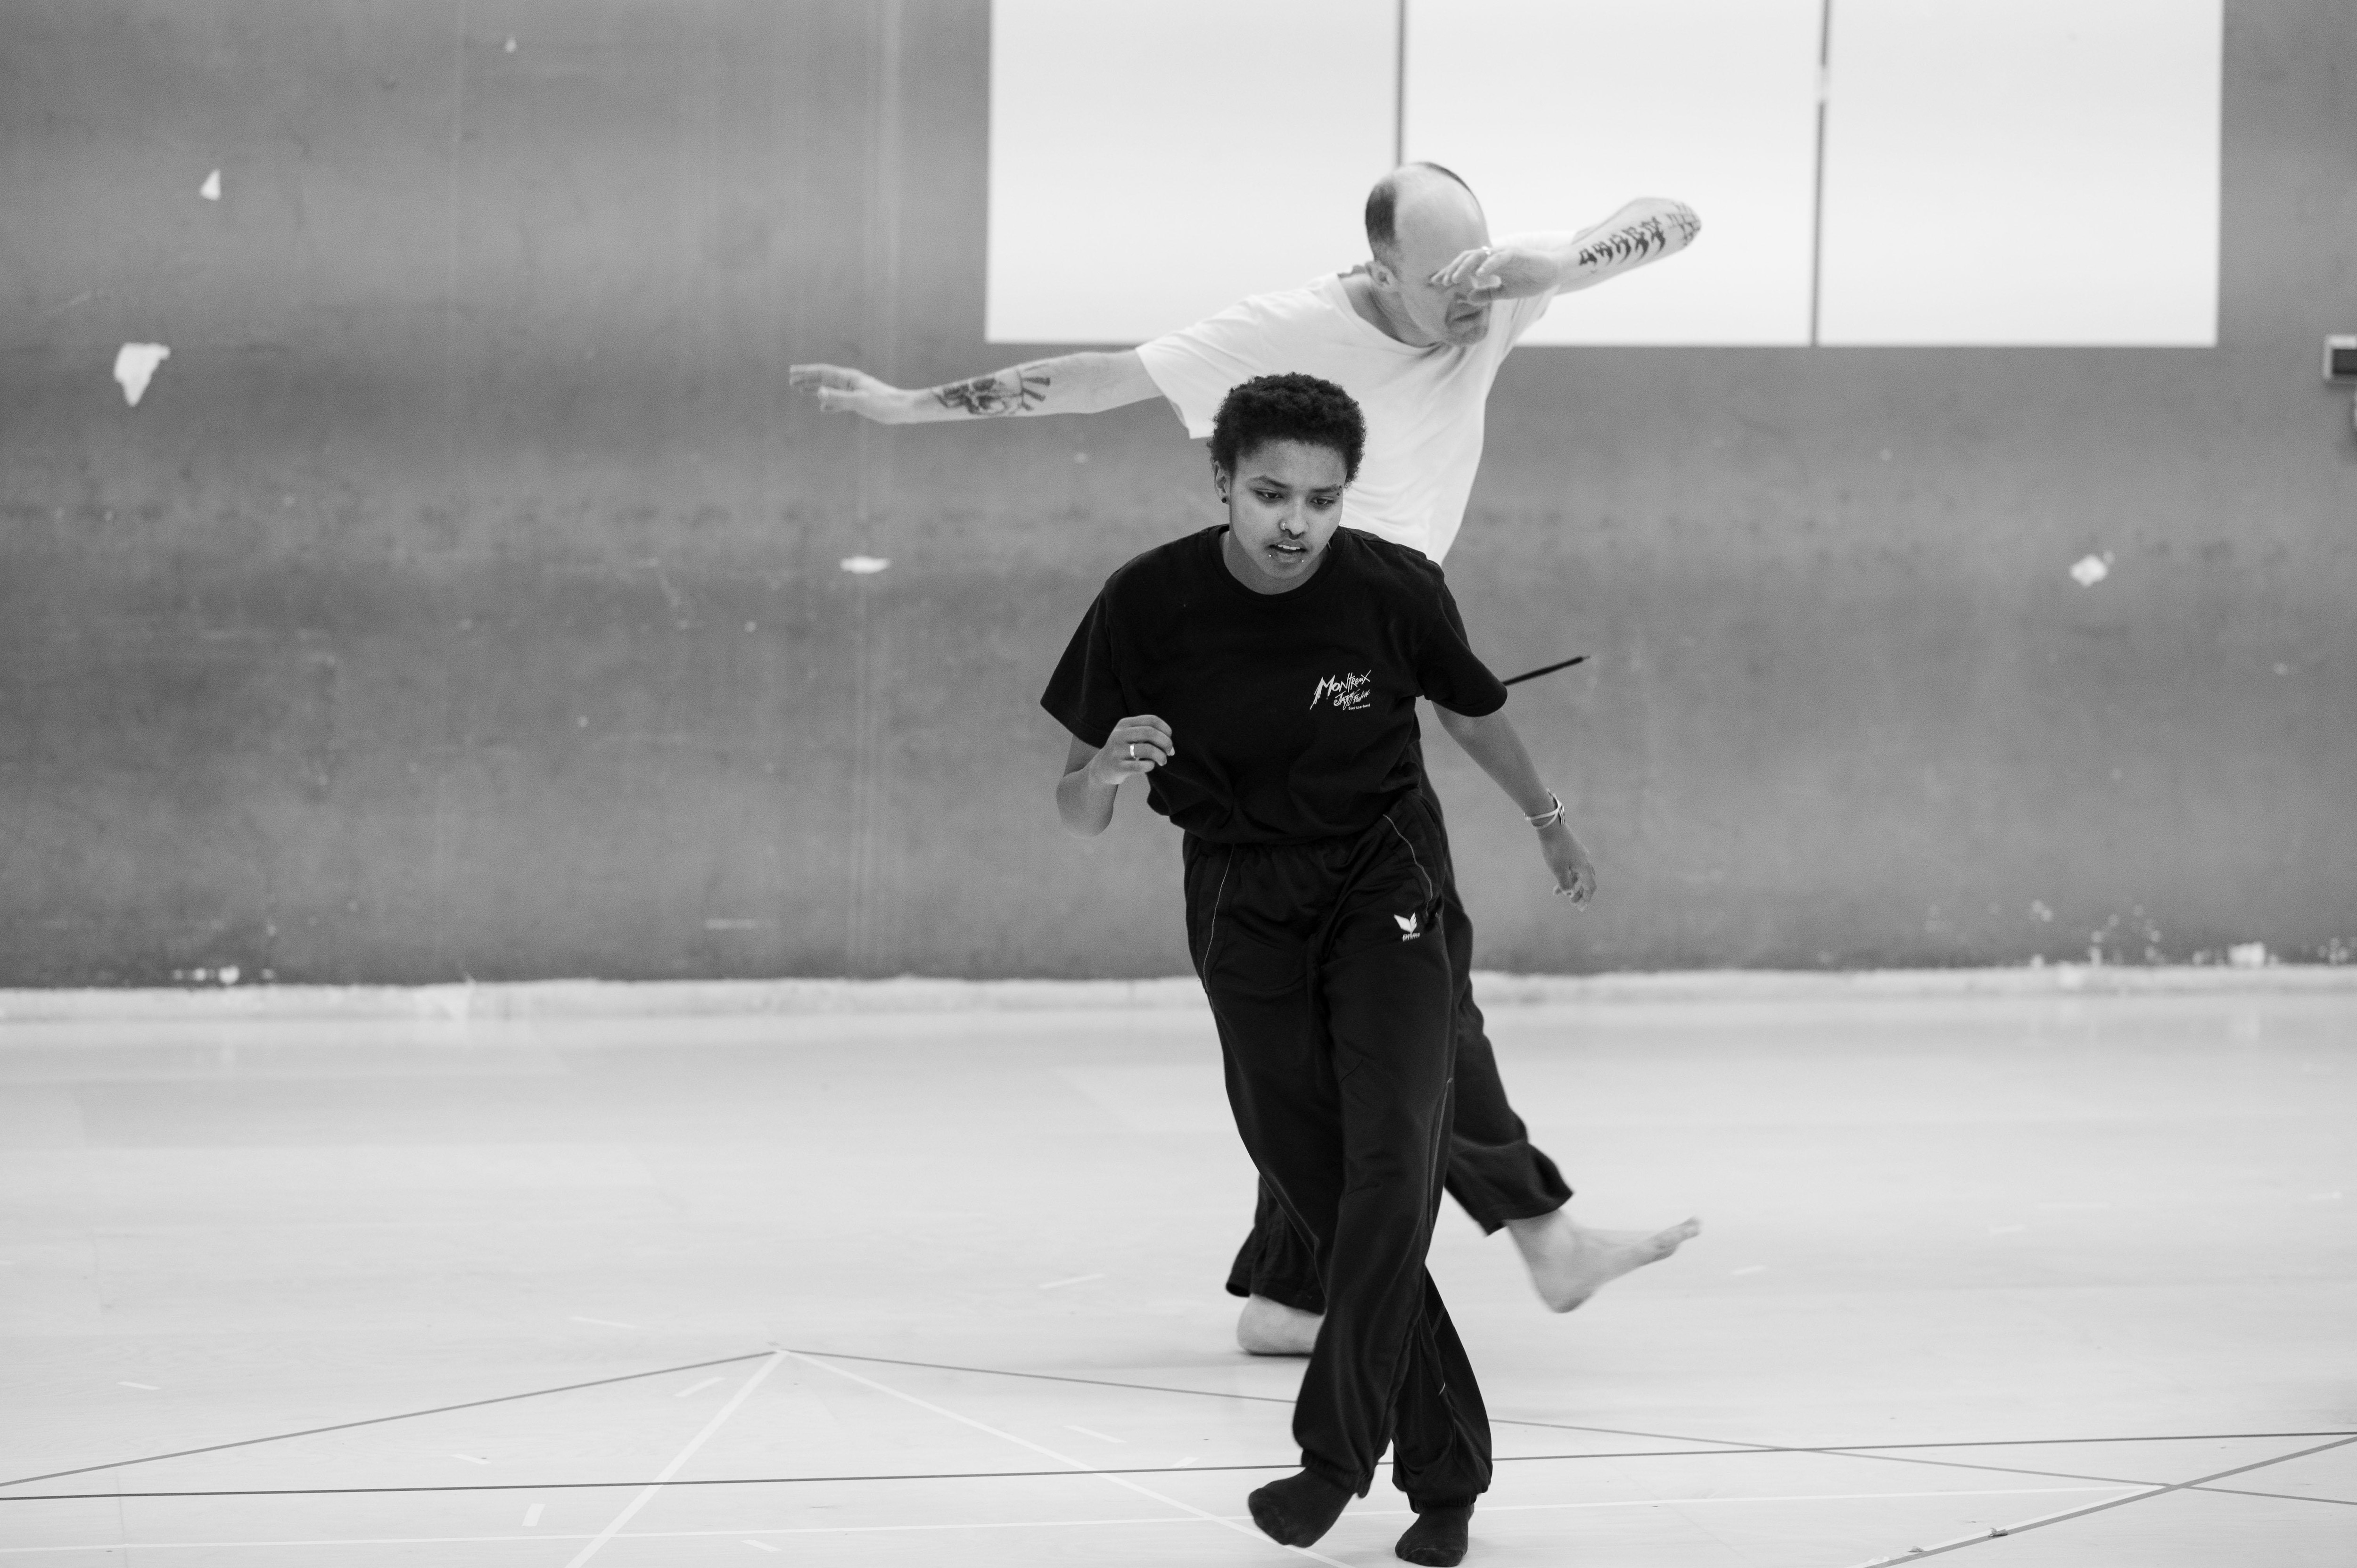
1409	927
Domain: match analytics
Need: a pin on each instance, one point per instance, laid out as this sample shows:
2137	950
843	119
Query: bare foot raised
1570	1262
1272	1328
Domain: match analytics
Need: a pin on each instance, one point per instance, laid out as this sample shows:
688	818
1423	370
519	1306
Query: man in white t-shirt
1416	335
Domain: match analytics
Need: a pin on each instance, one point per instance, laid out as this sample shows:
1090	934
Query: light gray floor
879	1290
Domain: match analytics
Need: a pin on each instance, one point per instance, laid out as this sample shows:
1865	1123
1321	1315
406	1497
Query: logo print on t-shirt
1345	692
1409	931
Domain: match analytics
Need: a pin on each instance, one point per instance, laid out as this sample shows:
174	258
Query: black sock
1298	1510
1436	1539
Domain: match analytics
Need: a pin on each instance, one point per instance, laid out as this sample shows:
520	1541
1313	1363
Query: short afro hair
1290	407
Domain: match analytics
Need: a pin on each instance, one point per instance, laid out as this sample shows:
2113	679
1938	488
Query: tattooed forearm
1006	391
1633	244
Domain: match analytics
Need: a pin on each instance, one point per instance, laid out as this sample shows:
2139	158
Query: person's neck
1375	309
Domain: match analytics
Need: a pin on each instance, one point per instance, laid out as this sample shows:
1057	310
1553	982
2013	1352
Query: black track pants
1495	1171
1330	981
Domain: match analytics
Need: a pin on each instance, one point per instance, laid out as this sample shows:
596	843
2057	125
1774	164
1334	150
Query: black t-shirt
1293	713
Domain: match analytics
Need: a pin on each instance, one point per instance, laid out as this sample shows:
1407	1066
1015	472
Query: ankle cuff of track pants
1334	1477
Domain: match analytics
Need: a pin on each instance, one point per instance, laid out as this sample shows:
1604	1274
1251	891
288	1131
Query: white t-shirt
1424	406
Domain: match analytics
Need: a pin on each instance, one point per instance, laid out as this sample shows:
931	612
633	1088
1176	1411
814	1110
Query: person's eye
1325	503
1268	497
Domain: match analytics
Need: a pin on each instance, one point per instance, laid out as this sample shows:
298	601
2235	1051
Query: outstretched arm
1493	741
1523	264
1069	383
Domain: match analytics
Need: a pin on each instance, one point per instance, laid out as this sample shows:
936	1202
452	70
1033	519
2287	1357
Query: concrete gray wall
463	599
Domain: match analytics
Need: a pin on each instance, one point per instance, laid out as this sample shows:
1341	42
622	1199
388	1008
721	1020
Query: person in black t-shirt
1262	676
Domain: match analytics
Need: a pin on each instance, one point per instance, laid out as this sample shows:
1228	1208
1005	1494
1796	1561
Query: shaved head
1422	218
1419	206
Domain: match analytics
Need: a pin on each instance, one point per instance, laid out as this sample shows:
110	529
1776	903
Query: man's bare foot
1272	1328
1569	1263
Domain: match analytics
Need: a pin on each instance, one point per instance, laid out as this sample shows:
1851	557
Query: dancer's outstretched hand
1139	744
1488	272
840	389
1574	874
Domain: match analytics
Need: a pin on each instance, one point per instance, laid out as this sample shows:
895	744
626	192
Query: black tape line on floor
2199	1482
455	1487
1257	1399
376	1420
1718	1447
2056	1442
607	1486
1728	1444
1982	1467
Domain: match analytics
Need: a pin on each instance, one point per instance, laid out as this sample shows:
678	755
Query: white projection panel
2022	171
1153	161
1557	112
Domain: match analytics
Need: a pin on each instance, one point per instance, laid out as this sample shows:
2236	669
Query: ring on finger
1133	751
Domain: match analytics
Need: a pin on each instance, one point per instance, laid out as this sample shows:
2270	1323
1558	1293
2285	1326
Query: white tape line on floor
598	1541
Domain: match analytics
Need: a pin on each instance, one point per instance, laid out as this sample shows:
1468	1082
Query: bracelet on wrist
1548	818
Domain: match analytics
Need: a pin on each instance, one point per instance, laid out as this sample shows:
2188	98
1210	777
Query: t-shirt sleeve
1084	694
1196	366
1447	670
